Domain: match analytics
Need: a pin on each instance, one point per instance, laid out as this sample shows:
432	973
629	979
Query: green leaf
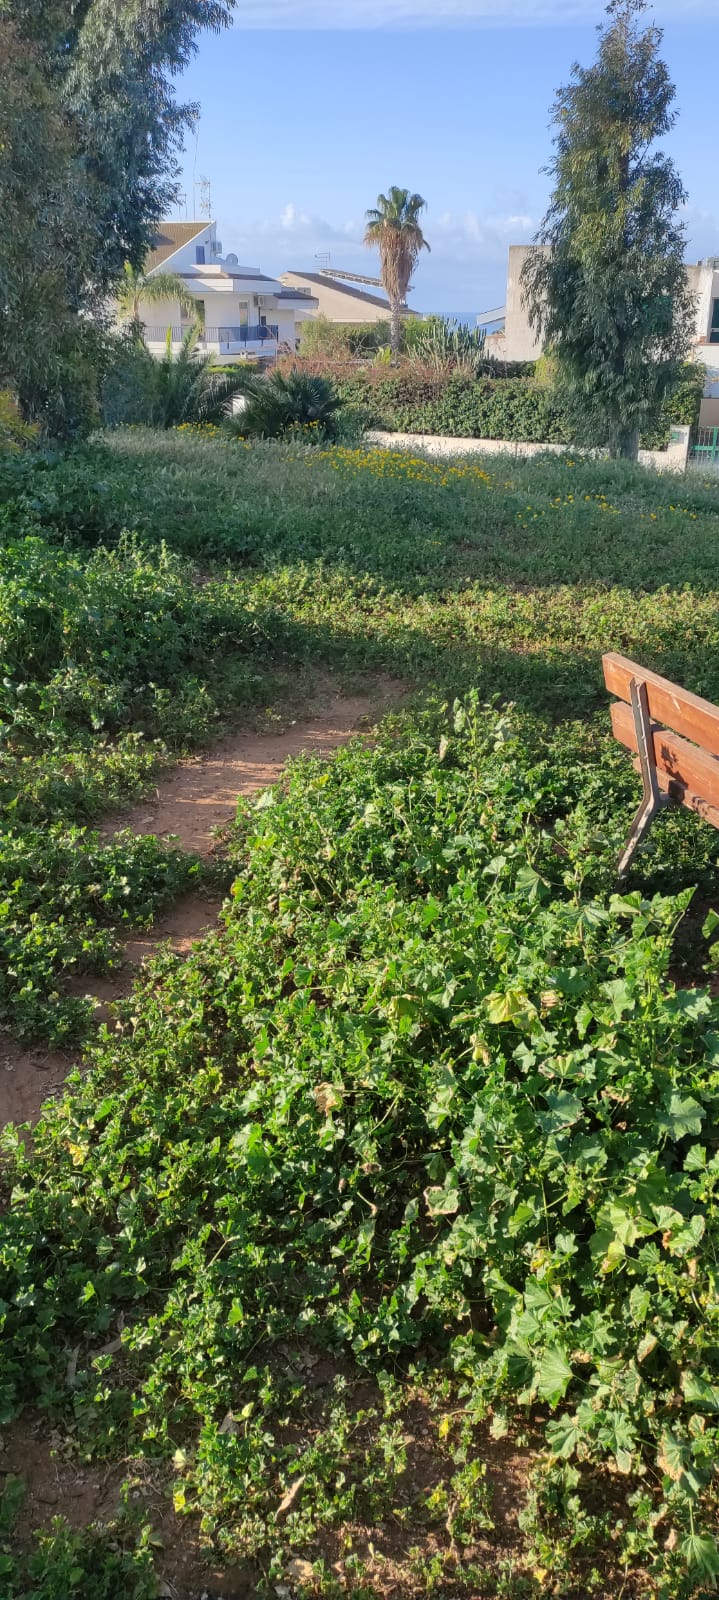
683	1115
701	1555
563	1435
699	1392
553	1375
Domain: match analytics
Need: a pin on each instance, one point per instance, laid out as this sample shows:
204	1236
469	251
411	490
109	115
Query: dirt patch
28	1078
198	797
57	1484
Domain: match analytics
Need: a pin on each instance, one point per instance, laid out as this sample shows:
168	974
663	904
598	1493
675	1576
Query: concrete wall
674	459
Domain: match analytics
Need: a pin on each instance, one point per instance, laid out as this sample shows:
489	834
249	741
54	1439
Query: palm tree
393	228
137	286
185	387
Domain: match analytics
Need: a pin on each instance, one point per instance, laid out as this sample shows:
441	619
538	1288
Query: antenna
205	204
323	257
181	202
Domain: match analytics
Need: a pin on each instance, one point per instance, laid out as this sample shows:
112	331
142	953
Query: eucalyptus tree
607	288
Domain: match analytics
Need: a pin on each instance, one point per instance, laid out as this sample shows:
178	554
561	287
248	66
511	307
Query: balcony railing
248	333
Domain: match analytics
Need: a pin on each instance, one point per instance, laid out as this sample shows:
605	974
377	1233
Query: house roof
325	282
170	237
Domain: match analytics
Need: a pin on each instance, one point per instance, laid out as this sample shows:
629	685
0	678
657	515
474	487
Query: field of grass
403	1188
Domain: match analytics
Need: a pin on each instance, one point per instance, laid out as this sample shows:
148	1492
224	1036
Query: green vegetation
516	406
284	405
90	132
399	1194
608	290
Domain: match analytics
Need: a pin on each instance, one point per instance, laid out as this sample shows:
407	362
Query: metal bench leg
653	799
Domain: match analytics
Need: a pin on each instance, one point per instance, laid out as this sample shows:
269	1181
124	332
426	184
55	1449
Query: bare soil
199	797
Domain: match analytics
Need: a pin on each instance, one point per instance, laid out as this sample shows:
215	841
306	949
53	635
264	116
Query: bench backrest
684	734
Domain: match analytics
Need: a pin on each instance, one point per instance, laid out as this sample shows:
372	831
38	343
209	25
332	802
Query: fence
705	447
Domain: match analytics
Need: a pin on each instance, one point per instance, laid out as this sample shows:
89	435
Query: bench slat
683	771
685	713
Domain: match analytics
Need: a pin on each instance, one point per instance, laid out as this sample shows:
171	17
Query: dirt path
199	796
192	801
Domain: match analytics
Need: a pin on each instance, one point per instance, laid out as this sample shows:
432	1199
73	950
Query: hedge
517	409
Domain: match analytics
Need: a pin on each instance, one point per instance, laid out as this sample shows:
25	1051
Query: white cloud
466	267
442	13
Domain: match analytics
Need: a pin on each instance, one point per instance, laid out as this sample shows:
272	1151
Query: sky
310	108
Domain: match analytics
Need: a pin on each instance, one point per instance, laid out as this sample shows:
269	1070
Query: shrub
181	387
14	433
288	403
448	346
341	341
514	408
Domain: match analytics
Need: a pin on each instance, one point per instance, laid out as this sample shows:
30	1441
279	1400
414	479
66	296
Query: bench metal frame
653	798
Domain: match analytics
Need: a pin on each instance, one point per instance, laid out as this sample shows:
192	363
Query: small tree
393	228
608	290
137	286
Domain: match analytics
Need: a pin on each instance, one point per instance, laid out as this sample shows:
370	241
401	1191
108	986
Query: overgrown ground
381	1234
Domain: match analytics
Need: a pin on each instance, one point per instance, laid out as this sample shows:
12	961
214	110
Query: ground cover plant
404	1182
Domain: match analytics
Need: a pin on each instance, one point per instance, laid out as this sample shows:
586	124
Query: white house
517	341
243	312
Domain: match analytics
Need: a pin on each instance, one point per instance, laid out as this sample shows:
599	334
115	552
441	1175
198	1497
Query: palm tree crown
393	227
138	286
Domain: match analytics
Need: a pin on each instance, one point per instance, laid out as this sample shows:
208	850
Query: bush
286	404
179	388
14	433
341	341
448	346
519	409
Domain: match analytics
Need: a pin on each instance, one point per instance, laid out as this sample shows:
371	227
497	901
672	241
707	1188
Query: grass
407	1177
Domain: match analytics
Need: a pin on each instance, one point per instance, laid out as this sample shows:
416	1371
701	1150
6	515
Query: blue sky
310	107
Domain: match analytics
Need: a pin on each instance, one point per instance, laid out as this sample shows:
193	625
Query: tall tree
90	132
608	290
393	227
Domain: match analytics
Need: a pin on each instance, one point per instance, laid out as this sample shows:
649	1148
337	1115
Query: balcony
256	339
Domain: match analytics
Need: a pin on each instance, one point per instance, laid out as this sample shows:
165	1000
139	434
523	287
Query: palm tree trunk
395	332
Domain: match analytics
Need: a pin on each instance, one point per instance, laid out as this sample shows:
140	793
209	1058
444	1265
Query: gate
705	448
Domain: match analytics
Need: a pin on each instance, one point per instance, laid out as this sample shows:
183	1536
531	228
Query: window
714	329
200	255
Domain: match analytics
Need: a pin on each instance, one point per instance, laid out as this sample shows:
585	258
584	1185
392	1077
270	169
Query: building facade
518	341
243	313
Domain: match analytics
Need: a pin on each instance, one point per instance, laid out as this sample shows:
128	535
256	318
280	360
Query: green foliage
112	1561
447	346
339	341
90	131
180	387
63	898
289	404
514	408
14	433
423	1142
429	1103
608	288
456	404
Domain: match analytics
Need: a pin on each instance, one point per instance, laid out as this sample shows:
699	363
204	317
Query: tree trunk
395	334
628	444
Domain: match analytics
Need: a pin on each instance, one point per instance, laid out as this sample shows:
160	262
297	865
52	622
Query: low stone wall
673	459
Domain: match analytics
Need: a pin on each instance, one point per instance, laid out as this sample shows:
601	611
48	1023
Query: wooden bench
676	738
